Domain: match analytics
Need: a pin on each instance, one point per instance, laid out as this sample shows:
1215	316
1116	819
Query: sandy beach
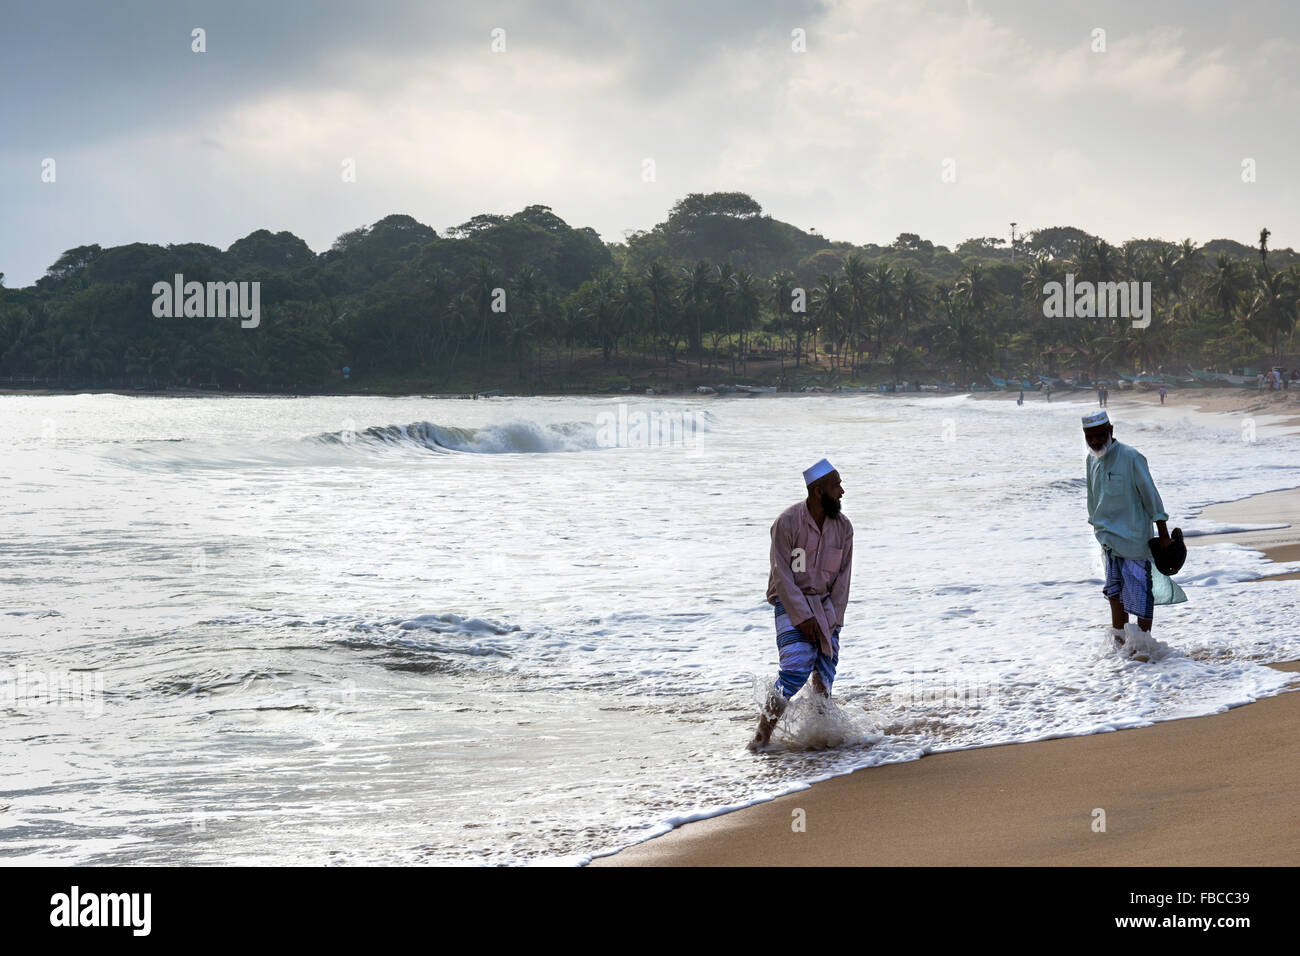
1276	409
1205	791
1279	544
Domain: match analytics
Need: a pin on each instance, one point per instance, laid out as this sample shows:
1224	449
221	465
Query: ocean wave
623	429
520	436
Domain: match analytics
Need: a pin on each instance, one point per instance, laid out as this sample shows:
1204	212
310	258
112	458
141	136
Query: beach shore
1280	409
1275	507
1203	791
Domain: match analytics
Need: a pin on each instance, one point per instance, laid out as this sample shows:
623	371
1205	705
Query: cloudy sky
153	142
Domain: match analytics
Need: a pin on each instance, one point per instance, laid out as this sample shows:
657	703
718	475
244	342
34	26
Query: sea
533	631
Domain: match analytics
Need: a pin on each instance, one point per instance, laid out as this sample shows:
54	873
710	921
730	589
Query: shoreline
1211	400
1280	545
1173	792
1197	791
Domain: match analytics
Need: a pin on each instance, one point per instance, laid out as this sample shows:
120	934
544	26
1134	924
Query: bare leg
1145	624
772	711
1118	616
817	685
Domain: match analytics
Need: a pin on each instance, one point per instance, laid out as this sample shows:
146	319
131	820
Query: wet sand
1203	791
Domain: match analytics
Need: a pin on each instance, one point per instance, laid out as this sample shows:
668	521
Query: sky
947	118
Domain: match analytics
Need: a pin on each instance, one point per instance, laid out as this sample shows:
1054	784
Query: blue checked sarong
799	656
1130	581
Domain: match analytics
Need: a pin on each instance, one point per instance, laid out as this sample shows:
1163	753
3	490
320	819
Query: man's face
831	491
1097	436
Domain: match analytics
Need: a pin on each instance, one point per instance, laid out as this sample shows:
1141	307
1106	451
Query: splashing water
814	722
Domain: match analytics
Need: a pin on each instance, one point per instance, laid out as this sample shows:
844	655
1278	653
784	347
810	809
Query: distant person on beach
811	558
1162	394
1122	504
1048	389
1021	399
1101	397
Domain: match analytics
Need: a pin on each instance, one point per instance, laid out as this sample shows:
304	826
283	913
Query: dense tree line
714	286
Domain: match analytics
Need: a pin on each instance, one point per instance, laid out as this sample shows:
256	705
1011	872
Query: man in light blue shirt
1122	504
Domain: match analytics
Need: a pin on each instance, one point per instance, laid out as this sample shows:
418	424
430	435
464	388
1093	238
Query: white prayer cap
819	470
1096	418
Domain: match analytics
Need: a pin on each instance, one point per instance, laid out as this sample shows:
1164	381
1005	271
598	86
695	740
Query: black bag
1170	558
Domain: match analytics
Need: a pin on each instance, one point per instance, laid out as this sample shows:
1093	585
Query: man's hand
810	630
1164	533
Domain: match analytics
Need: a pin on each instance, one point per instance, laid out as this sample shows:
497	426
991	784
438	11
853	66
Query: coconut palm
1226	284
830	310
659	283
784	315
745	299
696	296
857	276
902	359
912	301
882	295
1272	310
1097	262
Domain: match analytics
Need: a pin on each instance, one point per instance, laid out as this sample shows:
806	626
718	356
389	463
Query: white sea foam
530	656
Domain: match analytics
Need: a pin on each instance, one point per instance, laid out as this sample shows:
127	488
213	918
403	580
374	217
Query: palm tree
721	302
962	337
696	295
745	297
659	283
632	304
784	314
912	301
1225	286
1169	273
857	275
484	280
1272	310
458	320
977	293
1096	262
901	360
830	307
599	314
882	294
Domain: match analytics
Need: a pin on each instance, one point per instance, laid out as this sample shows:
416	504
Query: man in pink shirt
811	558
